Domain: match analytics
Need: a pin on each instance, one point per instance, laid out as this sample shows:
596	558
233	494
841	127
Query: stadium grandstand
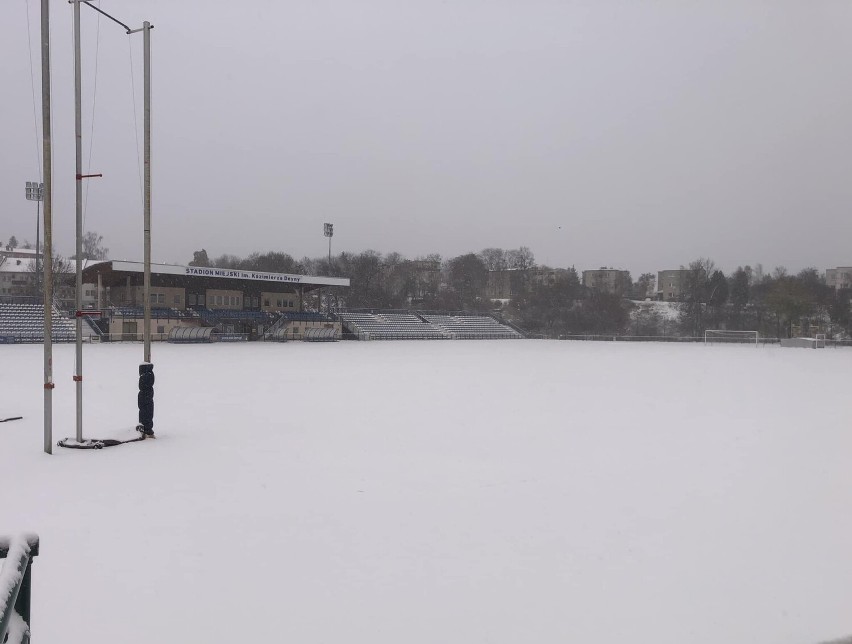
234	305
22	320
417	325
238	304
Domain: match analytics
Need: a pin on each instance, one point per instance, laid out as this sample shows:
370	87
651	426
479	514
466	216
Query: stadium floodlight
328	231
35	192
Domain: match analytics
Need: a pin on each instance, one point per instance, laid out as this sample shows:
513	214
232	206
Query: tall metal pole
47	158
38	216
78	139
146	33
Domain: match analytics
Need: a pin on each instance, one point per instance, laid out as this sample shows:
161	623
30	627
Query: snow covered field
426	492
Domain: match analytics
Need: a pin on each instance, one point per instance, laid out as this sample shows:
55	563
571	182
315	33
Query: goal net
718	336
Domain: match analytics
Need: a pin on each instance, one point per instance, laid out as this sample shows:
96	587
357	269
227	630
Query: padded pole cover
146	398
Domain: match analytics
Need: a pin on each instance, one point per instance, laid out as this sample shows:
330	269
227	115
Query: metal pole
78	139
47	158
146	33
38	216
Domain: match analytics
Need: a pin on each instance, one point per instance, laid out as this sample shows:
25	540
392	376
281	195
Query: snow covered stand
16	555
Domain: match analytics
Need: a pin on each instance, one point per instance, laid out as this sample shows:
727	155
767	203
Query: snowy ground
425	492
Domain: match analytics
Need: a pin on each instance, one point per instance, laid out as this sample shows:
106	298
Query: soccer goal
713	336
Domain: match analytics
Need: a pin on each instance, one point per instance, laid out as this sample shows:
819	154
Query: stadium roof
111	267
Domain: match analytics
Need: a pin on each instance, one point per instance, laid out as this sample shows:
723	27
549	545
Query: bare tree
93	246
494	259
62	272
522	258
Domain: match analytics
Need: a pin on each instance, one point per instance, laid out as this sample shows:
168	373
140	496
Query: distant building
17	277
670	284
608	280
839	278
507	283
504	284
18	253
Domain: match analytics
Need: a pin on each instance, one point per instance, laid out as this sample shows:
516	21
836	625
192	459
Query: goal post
714	336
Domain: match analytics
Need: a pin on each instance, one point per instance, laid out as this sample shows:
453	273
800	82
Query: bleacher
391	326
25	323
472	327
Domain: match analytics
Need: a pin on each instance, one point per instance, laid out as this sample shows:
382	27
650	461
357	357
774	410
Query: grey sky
652	132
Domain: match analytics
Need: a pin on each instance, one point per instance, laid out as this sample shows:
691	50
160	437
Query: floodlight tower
328	231
35	192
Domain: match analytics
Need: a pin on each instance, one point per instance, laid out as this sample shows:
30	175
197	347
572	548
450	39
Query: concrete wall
279	301
224	299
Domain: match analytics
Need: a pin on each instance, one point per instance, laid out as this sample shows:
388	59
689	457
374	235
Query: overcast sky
632	134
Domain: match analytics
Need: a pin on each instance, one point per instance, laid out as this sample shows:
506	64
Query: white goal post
731	337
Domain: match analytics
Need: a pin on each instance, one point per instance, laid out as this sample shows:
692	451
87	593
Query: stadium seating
410	326
25	323
391	326
472	327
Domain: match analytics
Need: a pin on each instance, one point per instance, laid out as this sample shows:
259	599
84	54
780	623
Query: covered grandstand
235	305
239	304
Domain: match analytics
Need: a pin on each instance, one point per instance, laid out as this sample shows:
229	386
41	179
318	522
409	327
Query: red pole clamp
49	385
77	378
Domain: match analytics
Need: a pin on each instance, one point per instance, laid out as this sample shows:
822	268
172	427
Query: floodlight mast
35	192
328	231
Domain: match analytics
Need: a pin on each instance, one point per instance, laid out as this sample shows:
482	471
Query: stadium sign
201	271
229	273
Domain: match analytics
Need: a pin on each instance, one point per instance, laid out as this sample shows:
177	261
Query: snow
12	570
421	492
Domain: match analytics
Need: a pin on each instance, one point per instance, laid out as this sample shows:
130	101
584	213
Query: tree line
553	301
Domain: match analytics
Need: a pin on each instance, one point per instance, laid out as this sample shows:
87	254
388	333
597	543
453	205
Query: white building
839	278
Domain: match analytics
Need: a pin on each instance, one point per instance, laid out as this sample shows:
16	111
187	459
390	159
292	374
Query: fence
15	587
610	337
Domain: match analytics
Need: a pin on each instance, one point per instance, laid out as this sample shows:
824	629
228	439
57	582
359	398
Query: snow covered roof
15	265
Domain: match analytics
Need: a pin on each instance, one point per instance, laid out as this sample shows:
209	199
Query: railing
15	587
614	337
